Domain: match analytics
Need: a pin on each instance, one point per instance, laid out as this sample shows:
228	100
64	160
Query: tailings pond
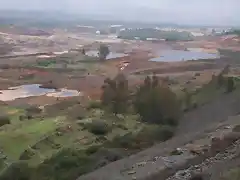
178	55
30	90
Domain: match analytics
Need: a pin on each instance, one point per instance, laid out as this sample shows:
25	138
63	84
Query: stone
141	164
131	172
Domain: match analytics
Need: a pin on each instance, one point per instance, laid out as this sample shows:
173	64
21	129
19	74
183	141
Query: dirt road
192	126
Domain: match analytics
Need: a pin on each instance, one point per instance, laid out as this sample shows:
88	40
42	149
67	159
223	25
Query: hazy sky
181	11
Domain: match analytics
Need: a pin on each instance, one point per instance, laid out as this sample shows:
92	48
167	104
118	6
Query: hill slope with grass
69	139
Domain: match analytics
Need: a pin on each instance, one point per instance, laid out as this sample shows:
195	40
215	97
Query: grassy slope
23	135
40	138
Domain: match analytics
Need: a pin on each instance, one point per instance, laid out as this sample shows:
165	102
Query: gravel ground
145	165
213	168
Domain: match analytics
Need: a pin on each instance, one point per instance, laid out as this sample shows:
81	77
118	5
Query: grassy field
39	138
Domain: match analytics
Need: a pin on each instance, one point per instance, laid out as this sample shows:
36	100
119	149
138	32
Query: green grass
12	113
207	93
15	139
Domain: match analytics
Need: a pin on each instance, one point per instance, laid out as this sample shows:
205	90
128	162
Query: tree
230	84
103	52
115	94
221	76
156	103
83	51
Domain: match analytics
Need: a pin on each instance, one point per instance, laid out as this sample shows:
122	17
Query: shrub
17	171
94	105
103	51
105	156
33	110
143	139
230	84
101	139
66	164
92	149
22	118
125	141
4	120
156	133
98	127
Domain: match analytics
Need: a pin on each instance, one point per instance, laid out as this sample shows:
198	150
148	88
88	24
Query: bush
98	127
156	133
22	118
17	171
230	84
94	105
4	120
65	165
105	156
126	141
92	149
33	110
143	139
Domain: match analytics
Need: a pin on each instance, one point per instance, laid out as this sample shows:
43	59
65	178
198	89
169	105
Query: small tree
4	120
230	84
221	77
116	94
83	51
103	52
156	103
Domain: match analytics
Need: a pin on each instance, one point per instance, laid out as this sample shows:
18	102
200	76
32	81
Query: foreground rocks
187	161
228	148
193	139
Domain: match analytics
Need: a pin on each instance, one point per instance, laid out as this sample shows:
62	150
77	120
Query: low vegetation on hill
144	34
37	145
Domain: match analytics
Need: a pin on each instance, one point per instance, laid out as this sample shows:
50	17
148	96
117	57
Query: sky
219	12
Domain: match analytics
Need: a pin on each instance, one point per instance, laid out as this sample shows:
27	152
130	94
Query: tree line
153	100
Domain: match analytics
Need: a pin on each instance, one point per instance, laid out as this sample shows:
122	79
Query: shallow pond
178	55
111	55
30	90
